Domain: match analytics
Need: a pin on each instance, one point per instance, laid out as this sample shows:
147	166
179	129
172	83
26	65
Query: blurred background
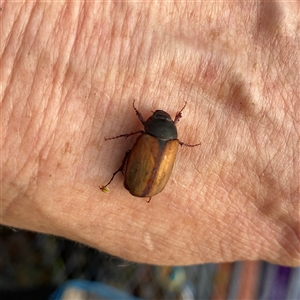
38	266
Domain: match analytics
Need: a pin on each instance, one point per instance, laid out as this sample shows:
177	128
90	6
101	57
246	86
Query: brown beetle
148	165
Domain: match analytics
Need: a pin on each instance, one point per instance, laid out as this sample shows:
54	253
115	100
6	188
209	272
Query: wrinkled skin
70	72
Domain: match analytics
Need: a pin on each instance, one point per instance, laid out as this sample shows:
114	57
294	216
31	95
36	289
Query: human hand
70	72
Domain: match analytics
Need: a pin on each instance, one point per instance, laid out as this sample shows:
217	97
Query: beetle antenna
179	114
138	114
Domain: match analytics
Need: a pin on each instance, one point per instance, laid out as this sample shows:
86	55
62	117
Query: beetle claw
104	189
121	169
187	145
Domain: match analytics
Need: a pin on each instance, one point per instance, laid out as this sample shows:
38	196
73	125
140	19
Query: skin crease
70	72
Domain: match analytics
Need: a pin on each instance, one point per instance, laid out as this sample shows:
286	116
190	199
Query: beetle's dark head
161	125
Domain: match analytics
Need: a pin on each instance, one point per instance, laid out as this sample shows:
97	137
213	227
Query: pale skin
70	72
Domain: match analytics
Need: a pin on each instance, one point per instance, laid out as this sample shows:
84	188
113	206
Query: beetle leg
179	114
148	200
119	170
139	114
126	135
187	145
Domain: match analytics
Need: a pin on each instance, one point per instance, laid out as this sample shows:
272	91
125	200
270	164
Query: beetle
148	165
